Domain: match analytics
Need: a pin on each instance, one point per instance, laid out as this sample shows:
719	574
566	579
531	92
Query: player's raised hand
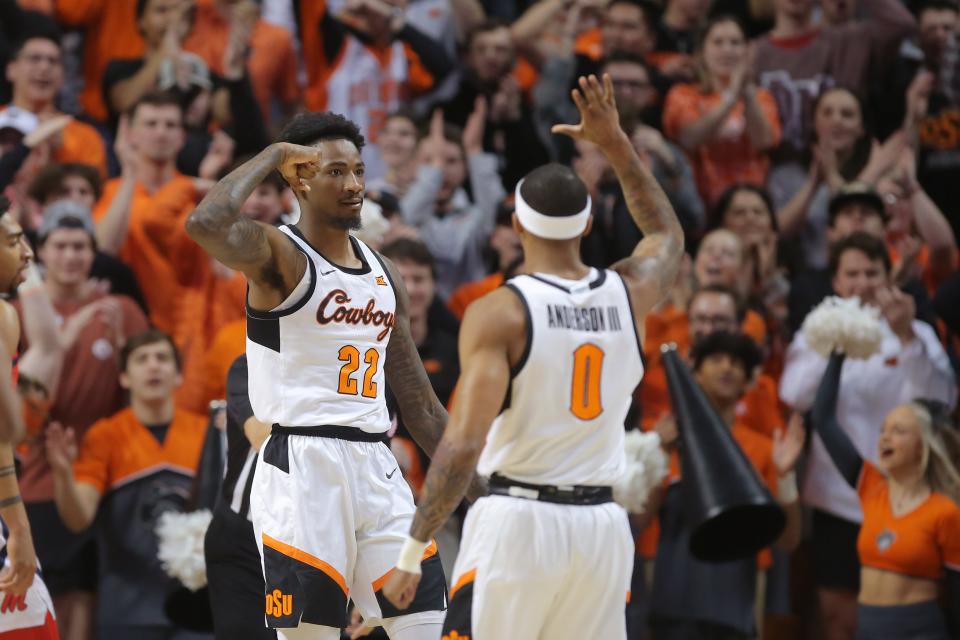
400	588
599	121
298	164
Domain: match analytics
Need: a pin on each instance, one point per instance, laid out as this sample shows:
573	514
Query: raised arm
489	327
263	253
652	268
823	418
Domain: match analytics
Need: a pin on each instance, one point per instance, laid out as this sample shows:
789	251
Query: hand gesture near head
599	120
298	164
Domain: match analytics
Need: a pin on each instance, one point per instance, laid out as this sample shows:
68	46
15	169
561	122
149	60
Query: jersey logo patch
453	635
885	539
381	281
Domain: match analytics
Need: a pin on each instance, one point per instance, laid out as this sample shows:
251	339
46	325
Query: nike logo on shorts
390	475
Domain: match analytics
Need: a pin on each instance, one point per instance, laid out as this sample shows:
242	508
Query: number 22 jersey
563	421
317	359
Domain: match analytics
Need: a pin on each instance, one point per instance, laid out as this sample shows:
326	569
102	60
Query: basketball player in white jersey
327	328
26	609
550	361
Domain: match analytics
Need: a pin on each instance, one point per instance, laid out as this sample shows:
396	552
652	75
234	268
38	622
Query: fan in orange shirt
36	72
110	32
271	62
909	542
684	601
726	124
141	218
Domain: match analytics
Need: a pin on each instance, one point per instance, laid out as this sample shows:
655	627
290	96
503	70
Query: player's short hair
144	338
740	309
873	247
156	99
554	190
738	346
310	128
409	250
4	205
48	183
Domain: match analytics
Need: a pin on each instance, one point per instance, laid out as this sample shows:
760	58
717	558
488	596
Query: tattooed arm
422	411
272	263
491	338
652	269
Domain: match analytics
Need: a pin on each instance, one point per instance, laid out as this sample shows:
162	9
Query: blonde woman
725	122
909	542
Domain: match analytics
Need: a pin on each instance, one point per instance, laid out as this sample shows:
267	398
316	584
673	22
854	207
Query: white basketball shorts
330	516
530	569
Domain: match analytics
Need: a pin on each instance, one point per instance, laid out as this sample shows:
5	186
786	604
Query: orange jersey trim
306	558
429	552
464	580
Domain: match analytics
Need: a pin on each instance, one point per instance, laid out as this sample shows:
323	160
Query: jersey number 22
349	385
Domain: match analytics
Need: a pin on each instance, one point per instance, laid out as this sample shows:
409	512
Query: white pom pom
181	546
646	468
844	324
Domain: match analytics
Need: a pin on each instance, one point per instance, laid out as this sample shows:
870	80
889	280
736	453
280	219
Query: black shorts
235	578
833	540
68	560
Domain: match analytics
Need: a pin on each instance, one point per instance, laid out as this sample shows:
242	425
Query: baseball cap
65	214
18	120
856	192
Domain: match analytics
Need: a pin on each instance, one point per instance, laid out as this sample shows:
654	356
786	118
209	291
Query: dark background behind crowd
777	128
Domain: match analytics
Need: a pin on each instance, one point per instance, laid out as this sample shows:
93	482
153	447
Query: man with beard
327	329
27	607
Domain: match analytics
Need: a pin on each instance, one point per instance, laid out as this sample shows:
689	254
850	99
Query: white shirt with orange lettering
318	358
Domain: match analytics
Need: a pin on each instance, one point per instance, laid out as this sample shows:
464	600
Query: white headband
551	227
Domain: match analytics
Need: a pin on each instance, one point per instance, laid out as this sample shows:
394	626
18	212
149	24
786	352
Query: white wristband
410	555
787	488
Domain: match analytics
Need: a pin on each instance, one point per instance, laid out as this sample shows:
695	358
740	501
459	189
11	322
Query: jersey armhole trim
528	319
633	317
257	314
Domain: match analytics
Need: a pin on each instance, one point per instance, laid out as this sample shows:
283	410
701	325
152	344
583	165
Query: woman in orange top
725	122
909	541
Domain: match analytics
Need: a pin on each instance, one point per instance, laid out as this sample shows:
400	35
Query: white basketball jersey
318	358
564	418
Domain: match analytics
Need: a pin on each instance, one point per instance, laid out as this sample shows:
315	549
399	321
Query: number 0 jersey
318	358
563	422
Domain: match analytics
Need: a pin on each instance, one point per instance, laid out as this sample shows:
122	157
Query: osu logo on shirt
453	635
279	604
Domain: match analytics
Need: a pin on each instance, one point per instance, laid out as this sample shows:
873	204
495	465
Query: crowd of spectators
809	149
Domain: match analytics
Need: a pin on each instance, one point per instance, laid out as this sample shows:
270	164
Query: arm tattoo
216	223
7	470
653	214
9	502
422	412
451	472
